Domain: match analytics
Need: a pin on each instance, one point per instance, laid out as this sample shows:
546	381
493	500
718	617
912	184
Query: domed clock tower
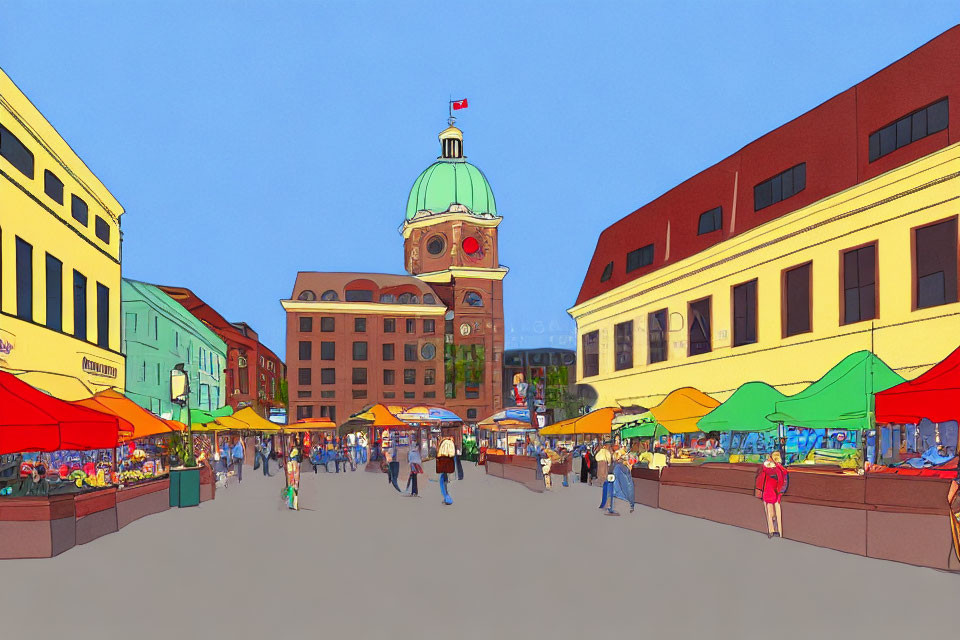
450	241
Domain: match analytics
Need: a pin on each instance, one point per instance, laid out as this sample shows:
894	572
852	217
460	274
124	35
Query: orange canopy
311	424
682	409
597	422
381	418
135	421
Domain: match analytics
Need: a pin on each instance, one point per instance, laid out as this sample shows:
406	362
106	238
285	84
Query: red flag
459	104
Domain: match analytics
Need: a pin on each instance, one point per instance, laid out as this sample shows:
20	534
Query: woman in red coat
770	484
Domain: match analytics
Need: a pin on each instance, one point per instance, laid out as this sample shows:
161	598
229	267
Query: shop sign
99	369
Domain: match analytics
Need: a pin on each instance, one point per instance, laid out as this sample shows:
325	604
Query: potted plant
184	473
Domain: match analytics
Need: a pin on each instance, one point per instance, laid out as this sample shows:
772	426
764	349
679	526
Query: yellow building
59	259
895	217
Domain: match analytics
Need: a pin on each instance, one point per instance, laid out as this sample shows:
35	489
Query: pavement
358	560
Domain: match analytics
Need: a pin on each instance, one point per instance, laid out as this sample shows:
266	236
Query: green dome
448	182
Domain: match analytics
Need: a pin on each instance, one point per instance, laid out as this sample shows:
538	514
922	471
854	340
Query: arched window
429	299
387	297
405	298
414	299
330	296
473	299
307	295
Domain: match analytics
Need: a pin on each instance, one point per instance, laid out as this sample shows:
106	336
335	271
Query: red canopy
30	420
935	395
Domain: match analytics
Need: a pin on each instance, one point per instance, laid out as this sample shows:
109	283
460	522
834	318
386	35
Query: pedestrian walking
588	466
446	451
769	486
237	453
362	446
393	465
416	468
618	483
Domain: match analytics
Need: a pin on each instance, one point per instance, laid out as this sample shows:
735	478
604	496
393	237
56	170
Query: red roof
935	395
30	420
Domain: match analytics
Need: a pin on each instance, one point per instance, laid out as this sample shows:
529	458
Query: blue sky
250	140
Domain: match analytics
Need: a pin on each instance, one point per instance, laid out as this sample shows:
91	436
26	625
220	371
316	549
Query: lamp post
180	395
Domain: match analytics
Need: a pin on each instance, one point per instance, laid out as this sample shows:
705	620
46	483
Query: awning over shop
842	398
507	419
311	424
378	417
562	428
142	422
643	426
746	410
30	420
935	395
597	422
682	408
255	421
428	414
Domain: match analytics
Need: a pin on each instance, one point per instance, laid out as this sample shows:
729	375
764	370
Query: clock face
464	329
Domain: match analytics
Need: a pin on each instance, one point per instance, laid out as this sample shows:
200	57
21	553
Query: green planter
185	487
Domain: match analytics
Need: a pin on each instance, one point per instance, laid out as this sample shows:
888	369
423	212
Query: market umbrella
745	410
231	422
379	417
935	395
841	399
599	422
200	417
30	420
506	419
643	426
255	421
311	424
142	422
561	428
682	408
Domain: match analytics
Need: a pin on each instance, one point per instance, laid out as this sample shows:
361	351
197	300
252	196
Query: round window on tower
470	245
436	245
428	351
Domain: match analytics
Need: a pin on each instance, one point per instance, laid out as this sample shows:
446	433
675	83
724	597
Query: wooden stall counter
37	527
142	499
96	513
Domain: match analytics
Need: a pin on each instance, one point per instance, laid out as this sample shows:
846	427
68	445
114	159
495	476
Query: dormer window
329	296
307	296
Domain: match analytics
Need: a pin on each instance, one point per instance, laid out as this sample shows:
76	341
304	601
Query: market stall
748	435
377	420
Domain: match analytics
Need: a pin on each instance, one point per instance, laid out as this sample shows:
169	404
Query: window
102	229
328	376
910	128
359	295
429	377
327	324
657	336
52	186
387	298
409	376
329	296
428	351
388	351
591	354
428	298
360	325
359	350
243	378
710	221
328	350
796	300
473	299
16	152
329	411
409	395
405	298
745	313
306	350
859	284
699	332
78	209
607	272
24	279
103	316
471	414
640	258
780	187
80	305
131	318
429	394
307	296
389	325
305	376
623	345
411	325
359	375
330	393
304	411
429	326
389	376
389	394
359	394
410	352
306	324
436	245
304	394
935	276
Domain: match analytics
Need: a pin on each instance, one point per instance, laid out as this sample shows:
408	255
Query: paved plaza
361	561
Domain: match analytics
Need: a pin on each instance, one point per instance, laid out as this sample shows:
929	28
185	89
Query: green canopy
842	398
199	416
745	410
644	427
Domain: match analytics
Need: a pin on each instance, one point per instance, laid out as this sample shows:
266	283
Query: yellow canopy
310	424
231	422
682	408
594	423
255	421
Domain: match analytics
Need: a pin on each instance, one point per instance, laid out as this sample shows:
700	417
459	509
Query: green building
158	334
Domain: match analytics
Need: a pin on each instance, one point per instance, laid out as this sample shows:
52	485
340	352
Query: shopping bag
445	465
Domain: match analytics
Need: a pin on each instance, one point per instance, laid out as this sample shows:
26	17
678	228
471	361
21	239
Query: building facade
550	374
59	259
158	334
834	233
434	336
253	371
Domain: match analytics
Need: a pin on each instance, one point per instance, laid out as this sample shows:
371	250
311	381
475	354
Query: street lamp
180	395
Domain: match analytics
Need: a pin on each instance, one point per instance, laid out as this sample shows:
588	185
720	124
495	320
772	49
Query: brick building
253	372
434	336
